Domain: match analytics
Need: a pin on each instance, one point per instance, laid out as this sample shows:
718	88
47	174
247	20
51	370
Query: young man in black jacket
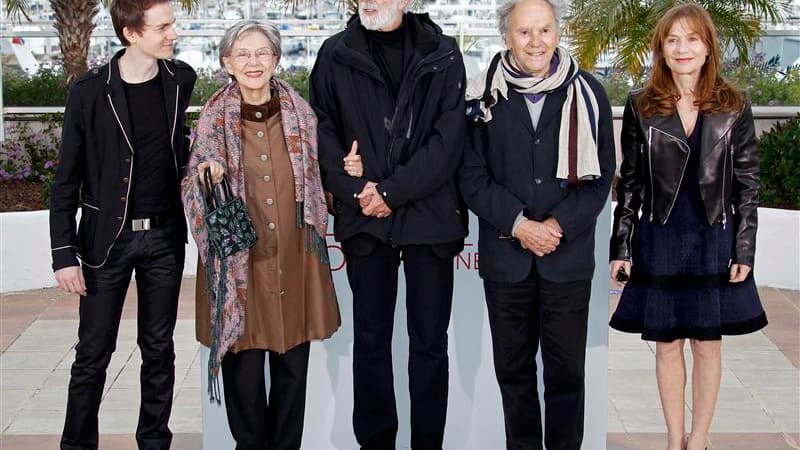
392	86
123	149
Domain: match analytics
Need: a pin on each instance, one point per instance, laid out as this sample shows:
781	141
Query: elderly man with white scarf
537	171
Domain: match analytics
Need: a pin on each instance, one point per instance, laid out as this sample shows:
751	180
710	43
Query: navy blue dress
679	284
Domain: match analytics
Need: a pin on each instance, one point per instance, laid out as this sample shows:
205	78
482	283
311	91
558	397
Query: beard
385	14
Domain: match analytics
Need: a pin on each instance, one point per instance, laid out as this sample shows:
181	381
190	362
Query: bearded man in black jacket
123	150
390	87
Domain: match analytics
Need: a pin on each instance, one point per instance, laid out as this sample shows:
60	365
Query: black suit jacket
95	161
509	167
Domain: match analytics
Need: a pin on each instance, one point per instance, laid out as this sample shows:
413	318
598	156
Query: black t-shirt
155	184
387	48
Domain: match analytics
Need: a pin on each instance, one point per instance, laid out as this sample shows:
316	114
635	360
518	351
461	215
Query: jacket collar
115	89
166	69
715	126
670	124
424	35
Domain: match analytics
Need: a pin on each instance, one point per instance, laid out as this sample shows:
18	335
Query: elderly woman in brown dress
277	296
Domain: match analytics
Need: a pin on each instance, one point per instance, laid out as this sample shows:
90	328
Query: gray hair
239	29
504	13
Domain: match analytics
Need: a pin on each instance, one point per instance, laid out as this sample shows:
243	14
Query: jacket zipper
416	77
650	164
680	181
724	178
731	174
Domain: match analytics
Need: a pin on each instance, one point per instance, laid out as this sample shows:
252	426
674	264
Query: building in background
305	27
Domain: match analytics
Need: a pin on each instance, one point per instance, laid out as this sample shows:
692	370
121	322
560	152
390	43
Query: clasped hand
372	203
541	238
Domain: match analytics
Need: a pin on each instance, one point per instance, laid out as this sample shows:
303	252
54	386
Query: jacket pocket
87	229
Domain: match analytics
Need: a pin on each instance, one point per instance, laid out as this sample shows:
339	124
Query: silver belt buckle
140	224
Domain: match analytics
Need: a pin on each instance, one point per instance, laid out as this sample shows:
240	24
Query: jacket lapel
715	127
667	124
552	107
115	93
519	110
171	93
353	50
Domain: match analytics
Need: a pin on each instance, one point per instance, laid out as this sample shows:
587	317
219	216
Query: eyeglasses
262	54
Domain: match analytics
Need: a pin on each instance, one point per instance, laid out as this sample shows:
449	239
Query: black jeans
157	256
429	293
255	423
522	316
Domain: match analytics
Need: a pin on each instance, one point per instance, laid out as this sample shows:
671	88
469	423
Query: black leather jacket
655	154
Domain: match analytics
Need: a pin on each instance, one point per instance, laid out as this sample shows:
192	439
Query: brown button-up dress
290	293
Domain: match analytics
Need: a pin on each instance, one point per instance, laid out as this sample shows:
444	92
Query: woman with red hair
690	165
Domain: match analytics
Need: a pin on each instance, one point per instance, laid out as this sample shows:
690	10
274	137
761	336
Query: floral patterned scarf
219	138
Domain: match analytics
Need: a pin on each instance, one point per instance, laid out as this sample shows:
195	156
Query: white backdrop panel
474	417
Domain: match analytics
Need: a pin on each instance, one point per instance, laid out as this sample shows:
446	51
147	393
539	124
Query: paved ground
759	406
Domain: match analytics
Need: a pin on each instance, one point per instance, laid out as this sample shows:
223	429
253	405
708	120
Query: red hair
713	93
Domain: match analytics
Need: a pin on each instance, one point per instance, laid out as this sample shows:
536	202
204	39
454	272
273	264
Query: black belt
155	221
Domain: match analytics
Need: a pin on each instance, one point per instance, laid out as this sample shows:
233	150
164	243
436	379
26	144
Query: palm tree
74	25
597	26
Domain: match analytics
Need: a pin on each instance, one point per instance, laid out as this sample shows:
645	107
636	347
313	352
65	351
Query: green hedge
48	88
780	163
765	84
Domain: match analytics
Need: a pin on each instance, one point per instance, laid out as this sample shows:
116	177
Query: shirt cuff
517	222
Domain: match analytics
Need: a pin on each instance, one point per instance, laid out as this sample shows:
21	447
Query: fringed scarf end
314	243
214	393
218	300
298	214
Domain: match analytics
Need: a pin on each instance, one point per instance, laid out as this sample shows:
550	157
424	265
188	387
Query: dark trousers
157	256
429	293
522	316
255	423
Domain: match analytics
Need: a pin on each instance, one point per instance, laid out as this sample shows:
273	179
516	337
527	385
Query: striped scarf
577	138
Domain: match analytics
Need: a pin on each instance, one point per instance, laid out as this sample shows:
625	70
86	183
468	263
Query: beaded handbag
229	226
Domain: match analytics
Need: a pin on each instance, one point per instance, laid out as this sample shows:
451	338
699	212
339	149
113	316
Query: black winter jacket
411	146
655	153
96	160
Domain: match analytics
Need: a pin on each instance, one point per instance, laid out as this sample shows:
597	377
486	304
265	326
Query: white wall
778	248
25	261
